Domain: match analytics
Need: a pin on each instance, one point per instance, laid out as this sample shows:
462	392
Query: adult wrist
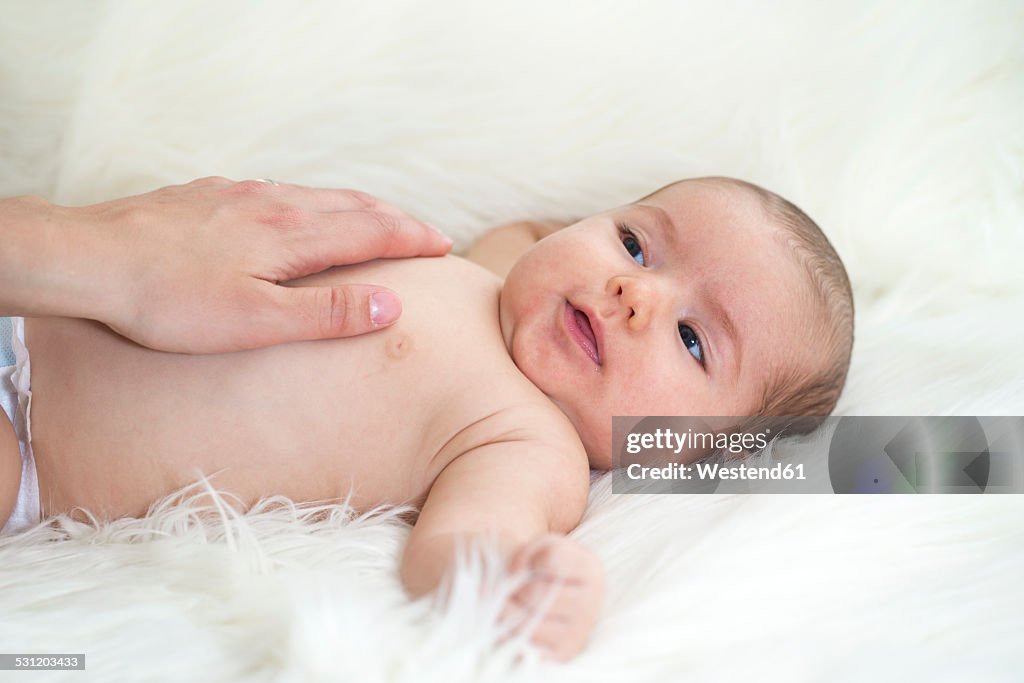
56	261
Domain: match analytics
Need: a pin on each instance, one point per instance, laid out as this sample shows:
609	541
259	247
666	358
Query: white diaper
16	397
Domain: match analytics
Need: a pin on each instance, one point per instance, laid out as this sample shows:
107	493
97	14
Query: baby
487	403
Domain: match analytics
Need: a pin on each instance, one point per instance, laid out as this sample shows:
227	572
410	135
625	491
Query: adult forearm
52	262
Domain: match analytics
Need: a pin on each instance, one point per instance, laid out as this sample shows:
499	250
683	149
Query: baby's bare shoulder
521	414
528	448
521	472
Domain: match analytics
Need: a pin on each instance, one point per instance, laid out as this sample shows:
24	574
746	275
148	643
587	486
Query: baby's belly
117	426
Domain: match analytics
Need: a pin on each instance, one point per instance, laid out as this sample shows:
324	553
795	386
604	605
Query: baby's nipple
398	346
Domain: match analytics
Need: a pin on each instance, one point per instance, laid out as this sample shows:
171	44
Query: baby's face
681	304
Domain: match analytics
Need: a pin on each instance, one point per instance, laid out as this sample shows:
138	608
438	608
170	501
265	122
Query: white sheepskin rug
896	125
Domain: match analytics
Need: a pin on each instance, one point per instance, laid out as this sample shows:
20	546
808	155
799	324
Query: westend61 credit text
715	471
826	454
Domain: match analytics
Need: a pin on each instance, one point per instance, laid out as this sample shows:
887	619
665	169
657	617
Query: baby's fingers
542	602
560	640
557	636
548	554
546	593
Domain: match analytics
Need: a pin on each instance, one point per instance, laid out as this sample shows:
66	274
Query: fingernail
384	308
438	231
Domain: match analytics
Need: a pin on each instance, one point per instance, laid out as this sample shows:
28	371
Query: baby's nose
633	297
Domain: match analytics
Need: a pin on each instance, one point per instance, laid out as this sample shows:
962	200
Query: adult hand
194	268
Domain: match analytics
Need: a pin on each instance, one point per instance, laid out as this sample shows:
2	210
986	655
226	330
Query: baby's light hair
794	391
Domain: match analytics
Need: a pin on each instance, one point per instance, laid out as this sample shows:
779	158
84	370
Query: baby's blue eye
691	342
632	245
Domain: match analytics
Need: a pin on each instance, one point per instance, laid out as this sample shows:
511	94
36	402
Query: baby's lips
596	331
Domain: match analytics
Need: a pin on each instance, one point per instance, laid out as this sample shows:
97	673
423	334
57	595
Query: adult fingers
320	199
329	200
306	313
299	206
335	239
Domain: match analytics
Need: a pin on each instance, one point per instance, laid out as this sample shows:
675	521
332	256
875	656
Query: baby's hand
562	596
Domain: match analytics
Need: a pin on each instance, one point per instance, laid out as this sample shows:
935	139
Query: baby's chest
409	384
397	421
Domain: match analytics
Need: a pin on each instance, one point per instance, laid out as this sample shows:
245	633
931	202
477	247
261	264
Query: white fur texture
895	125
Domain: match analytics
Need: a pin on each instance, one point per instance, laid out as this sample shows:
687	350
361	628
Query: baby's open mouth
581	331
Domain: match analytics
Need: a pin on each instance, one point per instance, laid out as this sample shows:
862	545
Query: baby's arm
502	246
526	495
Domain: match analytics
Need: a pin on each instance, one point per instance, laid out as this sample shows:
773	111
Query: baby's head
710	296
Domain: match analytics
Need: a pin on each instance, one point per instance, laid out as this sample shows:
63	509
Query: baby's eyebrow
669	228
727	324
664	221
